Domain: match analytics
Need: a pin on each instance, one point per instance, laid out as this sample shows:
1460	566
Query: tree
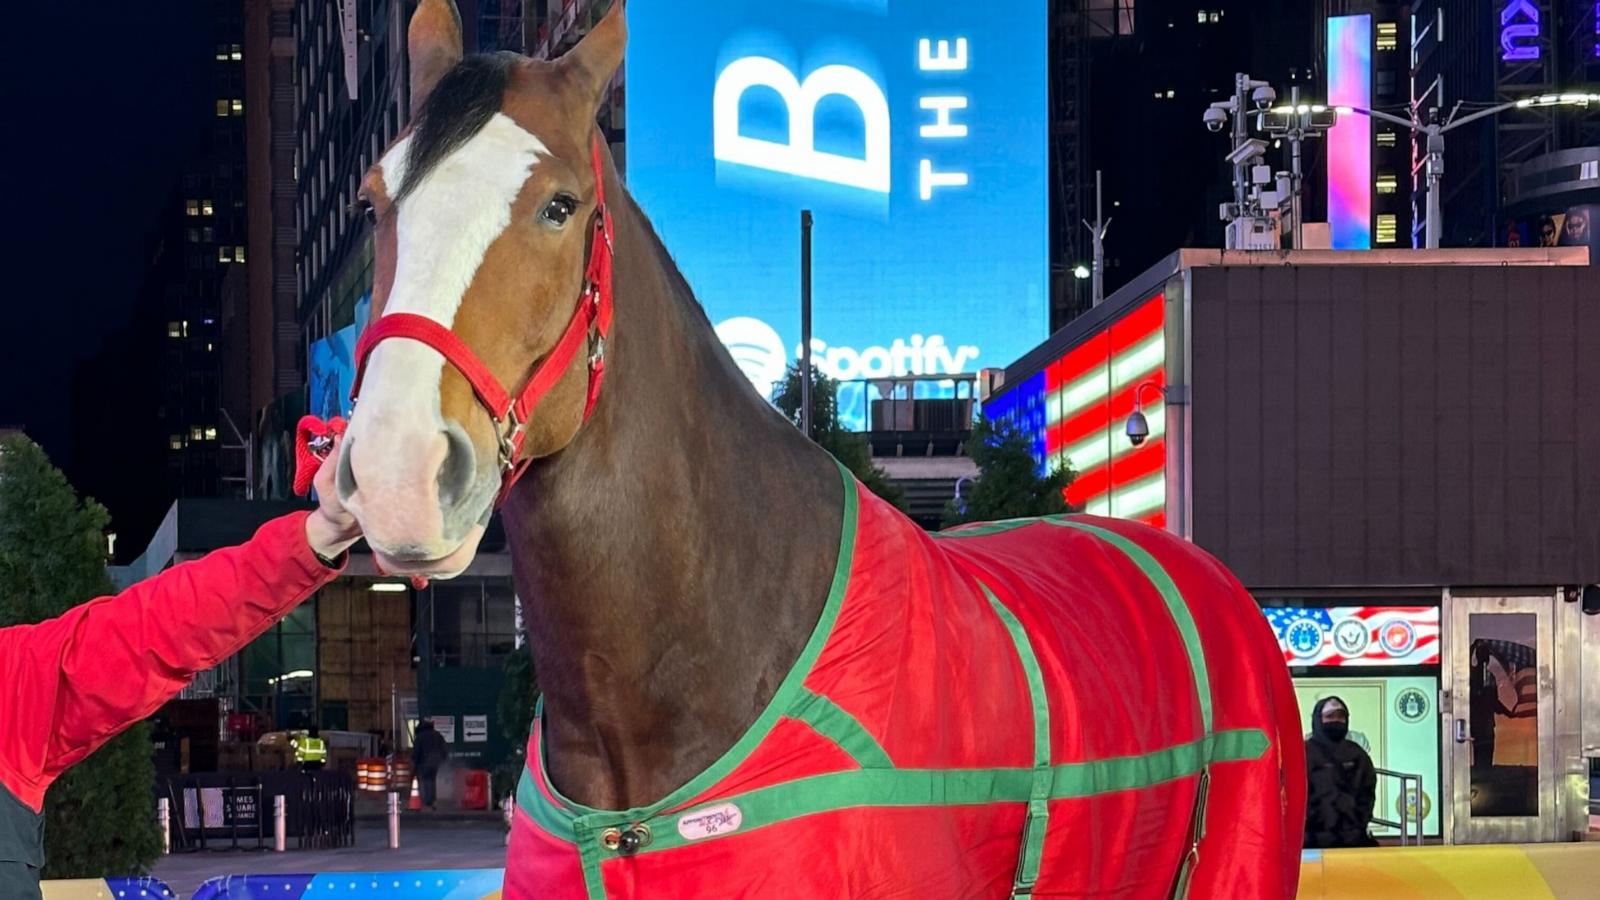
518	692
1009	485
847	447
99	817
517	695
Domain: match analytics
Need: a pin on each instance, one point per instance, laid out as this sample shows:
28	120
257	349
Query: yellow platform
1490	872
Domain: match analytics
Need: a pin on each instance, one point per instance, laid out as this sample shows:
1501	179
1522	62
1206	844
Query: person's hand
330	528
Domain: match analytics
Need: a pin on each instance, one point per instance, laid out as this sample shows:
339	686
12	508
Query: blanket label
710	821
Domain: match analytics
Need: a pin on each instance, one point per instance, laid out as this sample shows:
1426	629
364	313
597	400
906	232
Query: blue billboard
915	131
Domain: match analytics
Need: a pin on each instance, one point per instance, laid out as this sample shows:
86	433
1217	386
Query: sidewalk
445	841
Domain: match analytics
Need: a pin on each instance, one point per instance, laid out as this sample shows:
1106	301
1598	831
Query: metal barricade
1407	798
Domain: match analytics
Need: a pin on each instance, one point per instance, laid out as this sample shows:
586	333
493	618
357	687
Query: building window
236	53
194	235
206	209
197	434
211	433
192	207
1209	16
222	52
208	234
238	254
1387	139
175	441
237	107
1384	83
1387	183
174	330
222	109
1388	36
224	254
1388	228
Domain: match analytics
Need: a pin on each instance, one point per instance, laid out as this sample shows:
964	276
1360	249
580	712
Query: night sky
105	102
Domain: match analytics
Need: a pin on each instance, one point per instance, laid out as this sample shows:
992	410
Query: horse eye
559	210
367	209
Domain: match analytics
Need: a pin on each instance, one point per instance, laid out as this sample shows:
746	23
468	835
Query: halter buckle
597	351
508	431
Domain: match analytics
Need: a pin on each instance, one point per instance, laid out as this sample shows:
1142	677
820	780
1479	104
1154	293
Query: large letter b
800	156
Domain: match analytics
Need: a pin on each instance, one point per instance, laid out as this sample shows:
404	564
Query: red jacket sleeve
70	684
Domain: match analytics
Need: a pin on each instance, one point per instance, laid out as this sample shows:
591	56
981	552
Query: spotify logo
757	349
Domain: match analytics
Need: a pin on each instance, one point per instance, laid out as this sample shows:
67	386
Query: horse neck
674	559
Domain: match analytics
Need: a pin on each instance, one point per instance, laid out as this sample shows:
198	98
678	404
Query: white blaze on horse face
445	228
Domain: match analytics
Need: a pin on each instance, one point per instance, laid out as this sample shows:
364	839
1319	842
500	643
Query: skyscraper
210	241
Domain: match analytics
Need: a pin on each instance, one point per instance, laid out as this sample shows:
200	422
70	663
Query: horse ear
434	45
598	56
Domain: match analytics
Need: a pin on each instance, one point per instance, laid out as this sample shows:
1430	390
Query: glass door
1501	731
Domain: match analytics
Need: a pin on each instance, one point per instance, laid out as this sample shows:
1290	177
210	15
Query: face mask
1335	731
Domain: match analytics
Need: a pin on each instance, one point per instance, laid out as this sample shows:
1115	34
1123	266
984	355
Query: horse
759	679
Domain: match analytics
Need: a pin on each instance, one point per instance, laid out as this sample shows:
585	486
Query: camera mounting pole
1249	95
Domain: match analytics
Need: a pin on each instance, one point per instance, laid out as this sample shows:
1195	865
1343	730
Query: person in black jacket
1341	781
428	755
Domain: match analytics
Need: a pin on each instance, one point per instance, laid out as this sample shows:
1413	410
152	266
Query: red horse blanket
1064	707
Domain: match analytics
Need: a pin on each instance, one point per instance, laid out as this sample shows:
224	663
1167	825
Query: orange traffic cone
416	798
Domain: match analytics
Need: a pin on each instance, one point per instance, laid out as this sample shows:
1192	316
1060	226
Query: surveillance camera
1138	429
1263	96
1253	148
1215	119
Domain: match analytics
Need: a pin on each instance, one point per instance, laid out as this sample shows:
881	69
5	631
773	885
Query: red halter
591	320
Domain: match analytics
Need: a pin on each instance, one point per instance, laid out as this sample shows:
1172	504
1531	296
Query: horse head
485	216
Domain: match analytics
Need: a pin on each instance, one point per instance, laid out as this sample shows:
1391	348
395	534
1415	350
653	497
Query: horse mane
676	281
464	101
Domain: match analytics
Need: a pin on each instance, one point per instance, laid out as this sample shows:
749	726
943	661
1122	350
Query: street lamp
1296	123
960	498
1097	232
1436	132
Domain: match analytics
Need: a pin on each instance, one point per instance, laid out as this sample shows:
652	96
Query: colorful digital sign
100	888
1357	635
422	884
332	373
1396	720
331	370
915	132
1077	410
1520	30
1350	141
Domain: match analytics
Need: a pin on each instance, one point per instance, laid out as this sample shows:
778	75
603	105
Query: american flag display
1357	635
1077	408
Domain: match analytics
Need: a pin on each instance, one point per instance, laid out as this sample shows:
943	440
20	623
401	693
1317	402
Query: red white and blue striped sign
1357	635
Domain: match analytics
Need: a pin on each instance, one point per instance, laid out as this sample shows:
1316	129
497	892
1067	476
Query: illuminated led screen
1077	409
1350	141
1396	720
916	132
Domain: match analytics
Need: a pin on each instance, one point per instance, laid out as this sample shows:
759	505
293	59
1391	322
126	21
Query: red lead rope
313	441
591	321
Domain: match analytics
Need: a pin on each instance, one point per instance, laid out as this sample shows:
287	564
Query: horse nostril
344	476
460	463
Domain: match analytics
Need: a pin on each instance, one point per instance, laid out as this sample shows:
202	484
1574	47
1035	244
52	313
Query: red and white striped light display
1089	394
